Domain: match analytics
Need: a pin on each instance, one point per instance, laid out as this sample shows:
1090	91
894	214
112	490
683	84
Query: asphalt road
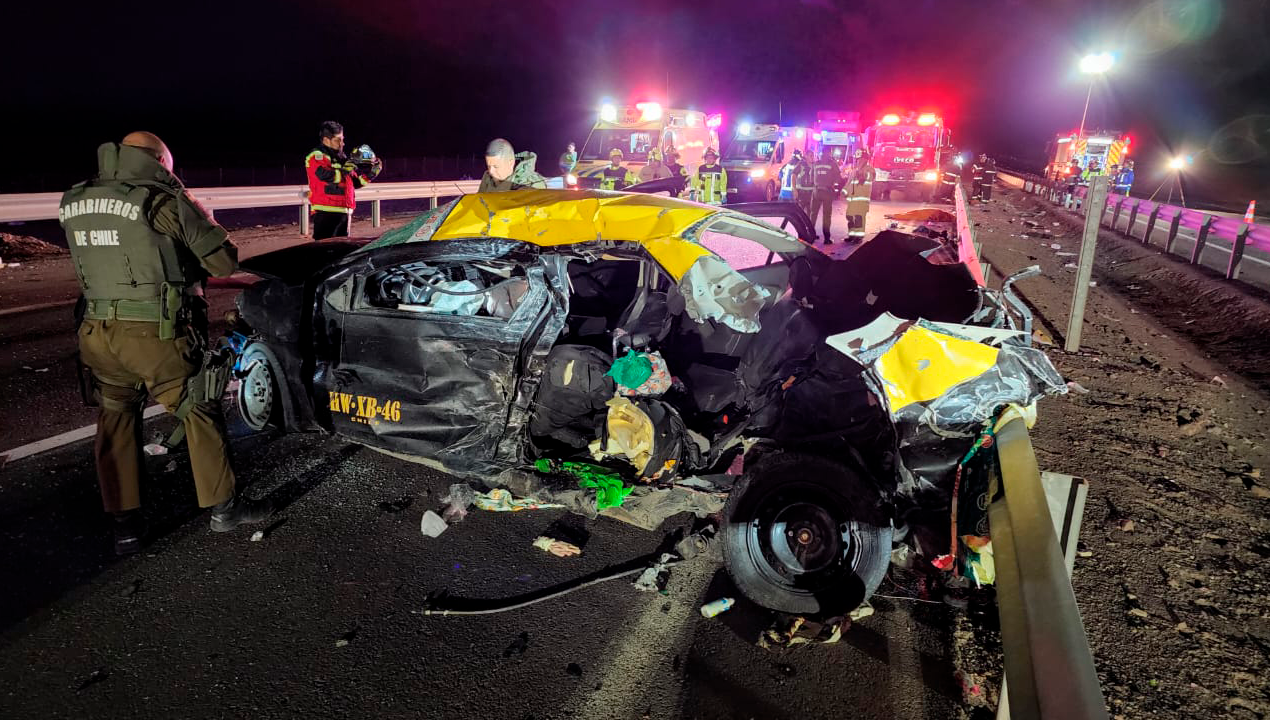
319	620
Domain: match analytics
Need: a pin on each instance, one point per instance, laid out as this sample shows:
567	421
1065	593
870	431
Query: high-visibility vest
616	178
711	184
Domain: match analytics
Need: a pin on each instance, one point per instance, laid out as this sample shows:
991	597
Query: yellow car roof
551	218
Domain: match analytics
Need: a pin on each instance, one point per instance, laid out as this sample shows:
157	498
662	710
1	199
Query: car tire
769	193
806	535
875	192
259	397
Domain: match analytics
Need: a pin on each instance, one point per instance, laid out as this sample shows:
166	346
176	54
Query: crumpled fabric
641	374
501	500
648	508
629	434
712	290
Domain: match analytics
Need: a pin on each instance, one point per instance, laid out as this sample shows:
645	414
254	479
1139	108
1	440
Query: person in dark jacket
827	180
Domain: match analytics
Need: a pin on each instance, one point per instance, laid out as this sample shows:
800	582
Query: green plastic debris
631	370
609	489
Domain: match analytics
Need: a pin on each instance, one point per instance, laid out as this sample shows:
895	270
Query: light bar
890	119
744	128
608	112
800	133
649	111
1064	140
714	121
926	119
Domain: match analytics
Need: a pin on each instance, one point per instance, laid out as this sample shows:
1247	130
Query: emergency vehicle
838	132
755	157
636	129
908	151
1108	147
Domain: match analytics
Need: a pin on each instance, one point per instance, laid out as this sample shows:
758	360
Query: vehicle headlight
758	173
571	179
931	176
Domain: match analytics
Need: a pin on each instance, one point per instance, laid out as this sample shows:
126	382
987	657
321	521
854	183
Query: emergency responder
710	183
1090	172
1124	179
804	185
675	168
654	170
977	176
827	180
858	191
615	176
142	250
787	175
949	175
568	159
506	170
989	177
333	179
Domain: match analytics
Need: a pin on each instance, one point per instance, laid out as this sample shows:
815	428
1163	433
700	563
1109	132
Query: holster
205	386
170	300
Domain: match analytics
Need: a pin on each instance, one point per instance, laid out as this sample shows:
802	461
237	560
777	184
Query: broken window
472	289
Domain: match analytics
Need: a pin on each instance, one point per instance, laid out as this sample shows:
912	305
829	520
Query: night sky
240	83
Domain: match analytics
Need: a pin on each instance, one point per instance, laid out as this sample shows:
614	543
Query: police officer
859	190
804	185
507	170
826	179
142	249
675	168
616	177
710	183
333	179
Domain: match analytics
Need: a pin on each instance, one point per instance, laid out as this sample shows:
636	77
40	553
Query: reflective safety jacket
616	178
803	179
1124	179
332	180
133	230
710	184
977	172
787	177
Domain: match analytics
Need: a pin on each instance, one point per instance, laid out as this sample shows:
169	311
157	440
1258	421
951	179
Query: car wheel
258	397
875	192
769	193
803	534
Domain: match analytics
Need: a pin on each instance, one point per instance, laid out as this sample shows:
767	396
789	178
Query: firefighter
710	183
506	169
568	159
989	177
675	168
142	250
948	177
804	185
858	191
333	179
827	180
787	174
654	170
977	176
1124	179
616	177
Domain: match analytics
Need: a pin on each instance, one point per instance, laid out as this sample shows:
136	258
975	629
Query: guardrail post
304	217
1201	239
1096	200
1237	252
432	203
1133	220
1146	236
1115	215
1172	238
374	213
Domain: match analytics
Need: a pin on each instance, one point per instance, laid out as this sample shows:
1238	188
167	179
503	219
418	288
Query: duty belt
137	310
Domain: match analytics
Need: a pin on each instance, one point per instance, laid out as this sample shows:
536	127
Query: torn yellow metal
922	365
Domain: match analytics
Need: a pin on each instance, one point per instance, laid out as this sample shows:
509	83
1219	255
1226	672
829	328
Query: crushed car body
664	343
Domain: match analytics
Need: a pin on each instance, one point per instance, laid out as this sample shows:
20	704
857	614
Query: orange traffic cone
1252	208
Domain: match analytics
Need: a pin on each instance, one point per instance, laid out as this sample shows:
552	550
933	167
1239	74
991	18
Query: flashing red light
926	119
714	120
649	111
890	119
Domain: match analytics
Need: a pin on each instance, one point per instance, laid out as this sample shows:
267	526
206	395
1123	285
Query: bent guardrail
1049	669
1220	241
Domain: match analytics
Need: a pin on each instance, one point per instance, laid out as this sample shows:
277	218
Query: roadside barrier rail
1221	241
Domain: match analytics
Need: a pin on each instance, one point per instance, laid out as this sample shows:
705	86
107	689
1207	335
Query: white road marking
38	306
65	438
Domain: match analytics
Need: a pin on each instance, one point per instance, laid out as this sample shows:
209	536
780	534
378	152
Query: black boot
129	530
237	511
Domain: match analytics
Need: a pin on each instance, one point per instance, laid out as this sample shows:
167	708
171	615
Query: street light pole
1088	95
1094	66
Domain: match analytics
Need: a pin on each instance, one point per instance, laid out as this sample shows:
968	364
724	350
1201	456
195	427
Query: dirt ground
1172	435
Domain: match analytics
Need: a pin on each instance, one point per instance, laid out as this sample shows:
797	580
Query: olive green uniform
523	176
142	249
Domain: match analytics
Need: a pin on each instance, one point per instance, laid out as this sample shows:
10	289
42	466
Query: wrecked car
678	346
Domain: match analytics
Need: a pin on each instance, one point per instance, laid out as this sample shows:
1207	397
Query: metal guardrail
967	244
1147	219
25	207
1049	669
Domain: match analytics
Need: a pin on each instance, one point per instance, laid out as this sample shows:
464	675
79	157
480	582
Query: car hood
295	264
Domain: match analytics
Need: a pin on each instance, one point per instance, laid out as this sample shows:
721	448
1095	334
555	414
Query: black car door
419	348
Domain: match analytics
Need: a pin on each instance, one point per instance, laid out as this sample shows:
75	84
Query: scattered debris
170	467
1217	380
93	678
788	631
258	536
21	247
559	548
458	500
1055	246
717	607
501	500
347	638
861	612
655	576
432	525
155	449
929	215
1127	525
1065	254
1073	386
267	531
518	646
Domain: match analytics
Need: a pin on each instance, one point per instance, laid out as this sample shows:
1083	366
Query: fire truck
838	133
755	157
908	151
1106	147
636	129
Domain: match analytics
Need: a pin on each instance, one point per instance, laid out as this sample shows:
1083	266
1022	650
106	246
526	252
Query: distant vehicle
908	151
636	129
1107	147
838	132
755	157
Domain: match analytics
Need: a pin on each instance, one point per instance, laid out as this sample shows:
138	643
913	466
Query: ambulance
838	133
908	151
636	129
1107	147
755	157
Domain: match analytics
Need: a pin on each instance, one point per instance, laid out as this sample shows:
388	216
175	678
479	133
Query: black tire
769	192
875	191
833	538
259	397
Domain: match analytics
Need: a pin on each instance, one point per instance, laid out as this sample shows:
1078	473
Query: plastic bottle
722	605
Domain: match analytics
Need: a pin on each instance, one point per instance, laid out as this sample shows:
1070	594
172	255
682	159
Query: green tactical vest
117	254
